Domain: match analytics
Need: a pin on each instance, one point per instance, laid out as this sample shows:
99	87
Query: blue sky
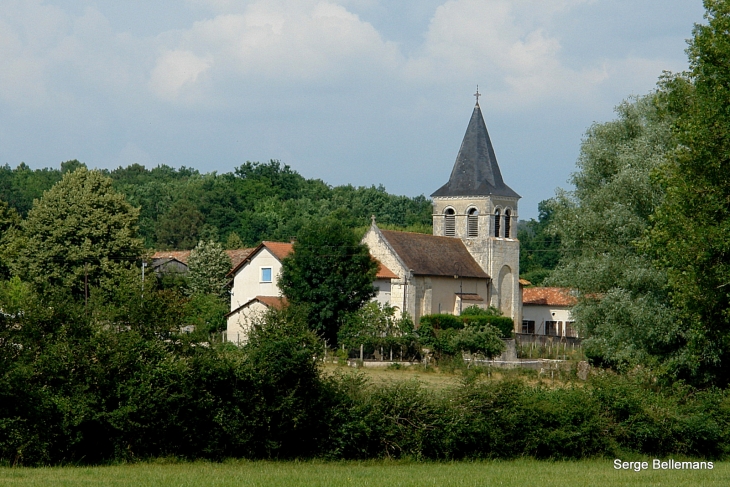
352	91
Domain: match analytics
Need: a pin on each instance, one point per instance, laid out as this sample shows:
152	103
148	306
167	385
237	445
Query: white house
255	287
546	311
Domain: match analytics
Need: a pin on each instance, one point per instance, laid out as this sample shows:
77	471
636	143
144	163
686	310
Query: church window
472	223
450	223
507	222
497	217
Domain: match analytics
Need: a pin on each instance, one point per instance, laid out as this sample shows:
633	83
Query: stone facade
498	256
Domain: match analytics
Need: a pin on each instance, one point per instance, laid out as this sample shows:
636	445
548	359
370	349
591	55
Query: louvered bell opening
450	225
472	226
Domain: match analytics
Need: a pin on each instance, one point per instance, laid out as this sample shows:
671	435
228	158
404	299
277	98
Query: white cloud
282	43
506	45
175	70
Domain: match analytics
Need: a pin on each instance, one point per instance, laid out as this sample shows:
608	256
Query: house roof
276	302
236	255
178	255
280	250
431	255
277	249
547	296
476	172
384	272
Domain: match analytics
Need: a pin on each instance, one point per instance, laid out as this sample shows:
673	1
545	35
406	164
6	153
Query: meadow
520	472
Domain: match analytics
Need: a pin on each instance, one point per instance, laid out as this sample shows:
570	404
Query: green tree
208	265
539	246
234	242
329	273
180	226
623	305
80	230
691	235
476	339
9	223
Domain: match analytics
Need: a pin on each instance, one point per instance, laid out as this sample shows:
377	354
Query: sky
361	92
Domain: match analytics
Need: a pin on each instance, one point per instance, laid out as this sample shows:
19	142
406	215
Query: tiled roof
547	296
279	249
276	302
179	255
431	255
236	255
476	172
384	272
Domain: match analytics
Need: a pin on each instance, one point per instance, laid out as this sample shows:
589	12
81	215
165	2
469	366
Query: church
473	256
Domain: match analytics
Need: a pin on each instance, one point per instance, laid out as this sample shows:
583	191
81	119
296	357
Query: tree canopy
208	265
623	307
539	245
79	230
329	273
690	237
255	201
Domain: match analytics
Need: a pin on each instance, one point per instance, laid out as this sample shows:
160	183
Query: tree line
645	235
255	202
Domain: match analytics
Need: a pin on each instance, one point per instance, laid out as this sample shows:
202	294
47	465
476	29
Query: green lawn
242	473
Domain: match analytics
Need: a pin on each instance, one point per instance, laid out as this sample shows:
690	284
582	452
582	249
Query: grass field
243	473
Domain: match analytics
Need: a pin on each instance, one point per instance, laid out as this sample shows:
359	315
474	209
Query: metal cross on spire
477	94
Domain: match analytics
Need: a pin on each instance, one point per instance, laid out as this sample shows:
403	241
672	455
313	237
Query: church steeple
476	172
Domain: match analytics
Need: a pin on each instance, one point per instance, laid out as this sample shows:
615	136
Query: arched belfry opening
497	219
472	223
507	223
449	222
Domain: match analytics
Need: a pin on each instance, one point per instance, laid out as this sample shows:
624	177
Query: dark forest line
255	202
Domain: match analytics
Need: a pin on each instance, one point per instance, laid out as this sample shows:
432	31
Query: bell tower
476	206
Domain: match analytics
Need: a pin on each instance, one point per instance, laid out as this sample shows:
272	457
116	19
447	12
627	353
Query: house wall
247	281
542	313
384	291
239	324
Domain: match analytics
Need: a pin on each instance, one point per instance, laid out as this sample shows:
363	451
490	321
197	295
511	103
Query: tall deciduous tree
329	273
623	307
208	265
691	237
80	230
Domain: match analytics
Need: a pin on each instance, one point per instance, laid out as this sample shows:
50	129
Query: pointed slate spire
476	172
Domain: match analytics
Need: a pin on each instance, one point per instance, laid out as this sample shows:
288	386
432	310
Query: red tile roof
279	249
276	302
384	272
547	296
